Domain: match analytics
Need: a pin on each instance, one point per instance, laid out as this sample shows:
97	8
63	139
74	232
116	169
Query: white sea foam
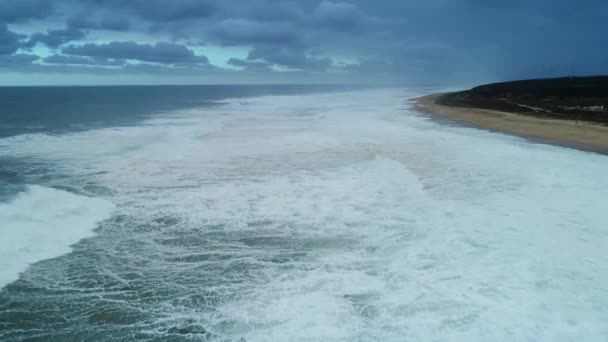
41	223
353	218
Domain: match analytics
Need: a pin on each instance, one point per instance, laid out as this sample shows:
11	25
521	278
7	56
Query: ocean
289	213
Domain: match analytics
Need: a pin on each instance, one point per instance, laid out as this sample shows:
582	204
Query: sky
432	42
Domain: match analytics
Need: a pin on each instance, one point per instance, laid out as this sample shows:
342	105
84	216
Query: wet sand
576	134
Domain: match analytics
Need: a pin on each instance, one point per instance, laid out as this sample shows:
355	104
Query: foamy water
325	217
42	223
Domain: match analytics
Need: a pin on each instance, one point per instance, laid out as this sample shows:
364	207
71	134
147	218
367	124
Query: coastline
580	135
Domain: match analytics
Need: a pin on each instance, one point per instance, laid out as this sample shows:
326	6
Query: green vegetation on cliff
572	98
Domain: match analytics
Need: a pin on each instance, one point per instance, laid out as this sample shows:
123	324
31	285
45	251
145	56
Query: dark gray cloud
159	10
249	64
108	22
267	11
292	58
21	10
339	15
17	60
456	40
78	60
244	31
166	53
55	38
9	41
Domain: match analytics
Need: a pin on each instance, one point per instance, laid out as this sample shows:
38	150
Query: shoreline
584	136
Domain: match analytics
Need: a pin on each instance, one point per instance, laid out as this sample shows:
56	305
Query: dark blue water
67	109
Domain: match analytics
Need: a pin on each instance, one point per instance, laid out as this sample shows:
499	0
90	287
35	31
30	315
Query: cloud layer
164	53
356	40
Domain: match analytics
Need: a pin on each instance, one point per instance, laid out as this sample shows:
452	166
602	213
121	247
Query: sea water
266	215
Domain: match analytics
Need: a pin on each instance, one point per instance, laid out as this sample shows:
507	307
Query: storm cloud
249	64
55	38
358	40
243	31
293	58
339	15
77	60
105	22
166	53
159	10
20	10
9	41
17	60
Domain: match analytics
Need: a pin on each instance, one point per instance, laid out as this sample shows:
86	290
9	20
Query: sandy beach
576	134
